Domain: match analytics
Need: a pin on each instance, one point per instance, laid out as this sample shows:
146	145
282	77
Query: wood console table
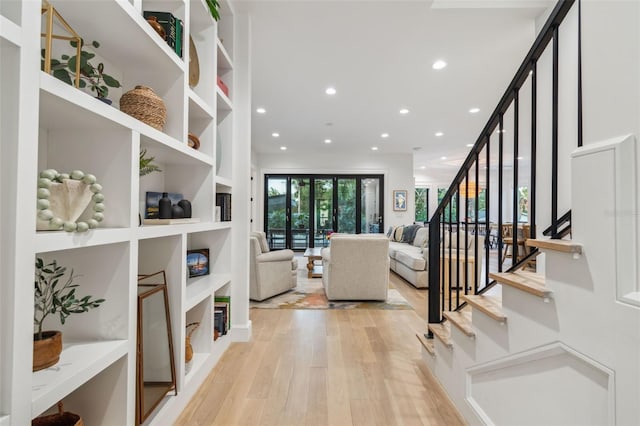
313	254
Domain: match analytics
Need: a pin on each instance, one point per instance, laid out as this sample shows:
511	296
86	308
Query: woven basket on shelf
62	418
142	103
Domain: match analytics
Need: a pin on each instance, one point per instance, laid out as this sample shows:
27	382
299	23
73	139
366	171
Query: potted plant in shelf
53	295
214	7
90	75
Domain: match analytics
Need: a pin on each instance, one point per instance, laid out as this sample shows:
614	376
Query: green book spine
179	37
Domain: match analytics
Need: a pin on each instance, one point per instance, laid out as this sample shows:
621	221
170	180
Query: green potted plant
146	164
90	76
213	8
53	295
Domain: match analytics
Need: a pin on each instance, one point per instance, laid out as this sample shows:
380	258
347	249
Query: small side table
313	254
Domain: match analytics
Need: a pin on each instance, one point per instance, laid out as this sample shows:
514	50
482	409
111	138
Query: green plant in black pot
91	76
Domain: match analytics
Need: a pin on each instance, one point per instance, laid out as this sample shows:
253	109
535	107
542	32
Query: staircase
561	346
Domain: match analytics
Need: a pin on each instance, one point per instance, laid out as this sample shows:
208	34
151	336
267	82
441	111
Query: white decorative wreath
50	177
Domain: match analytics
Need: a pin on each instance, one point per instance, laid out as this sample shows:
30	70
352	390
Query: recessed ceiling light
404	111
439	64
374	148
283	148
330	91
327	141
438	134
520	158
443	158
423	167
384	135
474	110
261	110
469	145
275	134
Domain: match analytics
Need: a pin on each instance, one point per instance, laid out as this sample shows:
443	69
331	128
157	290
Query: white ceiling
378	55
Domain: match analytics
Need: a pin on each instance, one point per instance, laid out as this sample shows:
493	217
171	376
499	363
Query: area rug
312	296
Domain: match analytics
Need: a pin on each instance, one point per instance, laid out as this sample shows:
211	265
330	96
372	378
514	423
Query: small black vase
164	207
176	212
186	206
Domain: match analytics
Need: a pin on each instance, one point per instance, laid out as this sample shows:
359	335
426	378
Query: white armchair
356	267
272	272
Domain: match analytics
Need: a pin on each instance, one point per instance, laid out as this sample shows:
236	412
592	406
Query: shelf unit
45	123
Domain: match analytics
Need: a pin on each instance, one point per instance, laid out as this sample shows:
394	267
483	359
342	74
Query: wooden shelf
151	231
79	362
198	108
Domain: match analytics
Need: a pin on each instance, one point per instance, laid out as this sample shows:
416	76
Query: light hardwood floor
326	367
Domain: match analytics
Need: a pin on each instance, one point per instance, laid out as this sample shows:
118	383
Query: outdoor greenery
422	205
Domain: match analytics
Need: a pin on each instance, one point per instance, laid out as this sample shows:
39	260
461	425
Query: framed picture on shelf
198	262
400	200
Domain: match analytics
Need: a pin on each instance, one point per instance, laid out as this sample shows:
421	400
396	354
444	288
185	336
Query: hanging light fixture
472	187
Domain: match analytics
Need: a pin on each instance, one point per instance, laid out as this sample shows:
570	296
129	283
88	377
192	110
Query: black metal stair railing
465	247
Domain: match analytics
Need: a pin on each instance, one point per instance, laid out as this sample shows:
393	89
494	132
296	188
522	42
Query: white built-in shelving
46	123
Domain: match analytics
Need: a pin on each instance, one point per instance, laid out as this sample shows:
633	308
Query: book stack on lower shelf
221	316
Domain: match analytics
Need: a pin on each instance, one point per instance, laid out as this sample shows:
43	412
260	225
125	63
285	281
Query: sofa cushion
409	233
390	232
421	236
412	259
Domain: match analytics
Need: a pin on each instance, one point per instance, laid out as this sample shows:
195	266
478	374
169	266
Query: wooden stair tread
427	344
529	282
462	320
565	246
491	306
443	332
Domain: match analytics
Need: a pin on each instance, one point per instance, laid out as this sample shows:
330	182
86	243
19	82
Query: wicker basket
142	103
188	353
62	418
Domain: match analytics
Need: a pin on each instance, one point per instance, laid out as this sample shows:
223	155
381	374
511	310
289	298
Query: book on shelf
218	322
173	28
223	303
224	202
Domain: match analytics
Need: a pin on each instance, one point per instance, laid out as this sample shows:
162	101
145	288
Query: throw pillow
422	235
390	232
397	233
409	233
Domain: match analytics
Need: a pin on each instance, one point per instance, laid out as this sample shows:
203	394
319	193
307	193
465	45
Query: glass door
276	212
301	210
371	206
347	205
323	211
299	207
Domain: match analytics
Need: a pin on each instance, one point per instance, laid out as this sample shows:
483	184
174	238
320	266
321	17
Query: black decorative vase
186	206
177	212
164	207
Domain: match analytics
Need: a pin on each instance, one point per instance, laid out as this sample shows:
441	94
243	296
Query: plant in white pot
54	295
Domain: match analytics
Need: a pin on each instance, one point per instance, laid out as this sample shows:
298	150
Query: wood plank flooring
326	367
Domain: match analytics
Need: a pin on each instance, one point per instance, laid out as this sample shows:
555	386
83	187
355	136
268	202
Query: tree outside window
422	205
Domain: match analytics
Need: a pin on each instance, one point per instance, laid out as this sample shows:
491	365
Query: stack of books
224	202
173	28
221	315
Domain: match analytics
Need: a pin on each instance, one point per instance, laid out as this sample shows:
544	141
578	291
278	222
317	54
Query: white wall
396	168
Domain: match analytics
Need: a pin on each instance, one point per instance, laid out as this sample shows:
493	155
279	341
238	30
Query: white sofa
411	260
271	272
356	267
408	259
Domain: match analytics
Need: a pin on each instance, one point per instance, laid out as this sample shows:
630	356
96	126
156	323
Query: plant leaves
65	57
64	76
95	44
110	81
